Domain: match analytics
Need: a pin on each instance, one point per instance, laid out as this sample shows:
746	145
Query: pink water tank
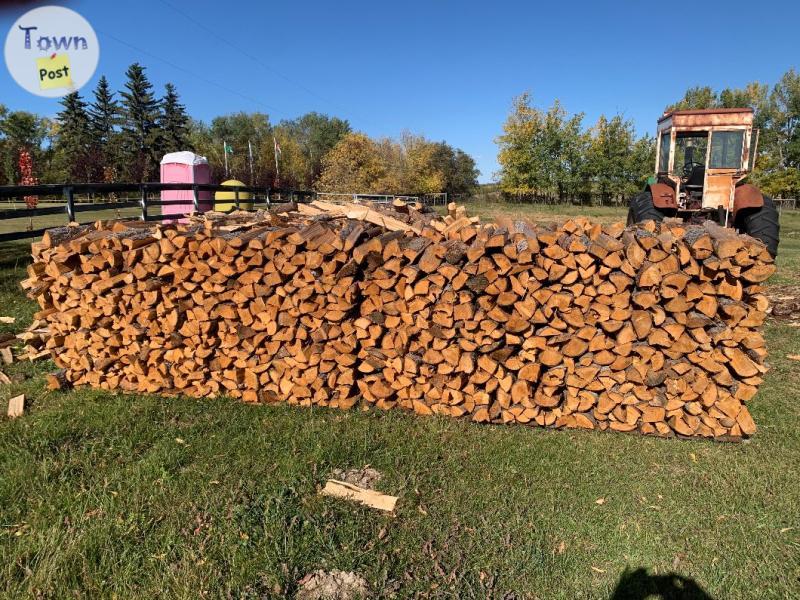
184	167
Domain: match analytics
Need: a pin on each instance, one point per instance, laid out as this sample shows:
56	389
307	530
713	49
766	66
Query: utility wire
193	74
252	57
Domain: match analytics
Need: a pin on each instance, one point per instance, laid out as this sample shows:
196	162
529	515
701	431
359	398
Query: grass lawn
59	220
107	495
546	212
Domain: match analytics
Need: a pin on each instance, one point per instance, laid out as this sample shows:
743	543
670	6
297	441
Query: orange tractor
702	160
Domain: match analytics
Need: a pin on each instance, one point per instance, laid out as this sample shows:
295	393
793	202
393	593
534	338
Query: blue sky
446	69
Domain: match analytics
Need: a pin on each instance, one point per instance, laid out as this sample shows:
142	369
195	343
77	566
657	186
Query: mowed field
59	220
106	495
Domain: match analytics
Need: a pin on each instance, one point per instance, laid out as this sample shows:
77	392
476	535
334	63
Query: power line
252	57
193	74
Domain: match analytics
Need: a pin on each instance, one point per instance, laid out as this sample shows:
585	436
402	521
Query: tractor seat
695	180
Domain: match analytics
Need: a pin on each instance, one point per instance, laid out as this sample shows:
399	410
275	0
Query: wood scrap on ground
16	406
785	304
6	355
58	381
35	339
653	329
348	491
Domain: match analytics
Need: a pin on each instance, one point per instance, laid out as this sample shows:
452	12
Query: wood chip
598	569
348	491
4	378
6	355
38	355
7	320
16	406
793	356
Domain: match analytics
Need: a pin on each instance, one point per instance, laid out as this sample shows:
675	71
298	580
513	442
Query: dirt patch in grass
332	585
785	302
365	477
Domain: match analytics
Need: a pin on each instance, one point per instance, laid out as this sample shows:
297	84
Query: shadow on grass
639	584
14	254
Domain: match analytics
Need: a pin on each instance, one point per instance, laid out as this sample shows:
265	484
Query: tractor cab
702	159
703	154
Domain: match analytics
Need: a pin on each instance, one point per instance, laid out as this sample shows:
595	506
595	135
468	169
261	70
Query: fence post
70	198
143	200
195	198
269	191
236	196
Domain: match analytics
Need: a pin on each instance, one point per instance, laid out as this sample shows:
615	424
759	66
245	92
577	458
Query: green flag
228	148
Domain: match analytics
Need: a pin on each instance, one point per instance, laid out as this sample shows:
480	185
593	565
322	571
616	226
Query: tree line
122	136
324	153
548	155
411	165
111	138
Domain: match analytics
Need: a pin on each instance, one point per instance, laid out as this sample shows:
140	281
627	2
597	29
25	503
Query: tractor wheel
642	209
761	223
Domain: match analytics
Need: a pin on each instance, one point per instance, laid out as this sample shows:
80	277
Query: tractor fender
663	196
747	196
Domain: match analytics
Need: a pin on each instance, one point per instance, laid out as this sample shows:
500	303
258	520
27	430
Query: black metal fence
70	205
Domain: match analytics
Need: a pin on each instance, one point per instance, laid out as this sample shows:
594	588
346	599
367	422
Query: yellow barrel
244	198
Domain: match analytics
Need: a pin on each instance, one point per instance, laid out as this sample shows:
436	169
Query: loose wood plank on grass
16	406
348	491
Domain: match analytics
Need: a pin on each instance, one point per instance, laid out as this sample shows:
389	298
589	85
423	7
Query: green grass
546	213
788	260
105	495
39	222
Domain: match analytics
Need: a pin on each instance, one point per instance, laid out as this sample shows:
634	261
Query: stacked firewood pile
653	328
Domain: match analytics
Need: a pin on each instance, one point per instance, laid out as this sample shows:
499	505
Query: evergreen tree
140	131
104	112
174	122
73	142
104	117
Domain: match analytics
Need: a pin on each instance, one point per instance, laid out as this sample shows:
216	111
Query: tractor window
726	149
690	149
663	157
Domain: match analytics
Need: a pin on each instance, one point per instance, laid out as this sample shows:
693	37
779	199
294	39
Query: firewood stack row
654	328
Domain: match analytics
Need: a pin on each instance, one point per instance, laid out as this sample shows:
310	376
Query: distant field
545	212
31	223
109	495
